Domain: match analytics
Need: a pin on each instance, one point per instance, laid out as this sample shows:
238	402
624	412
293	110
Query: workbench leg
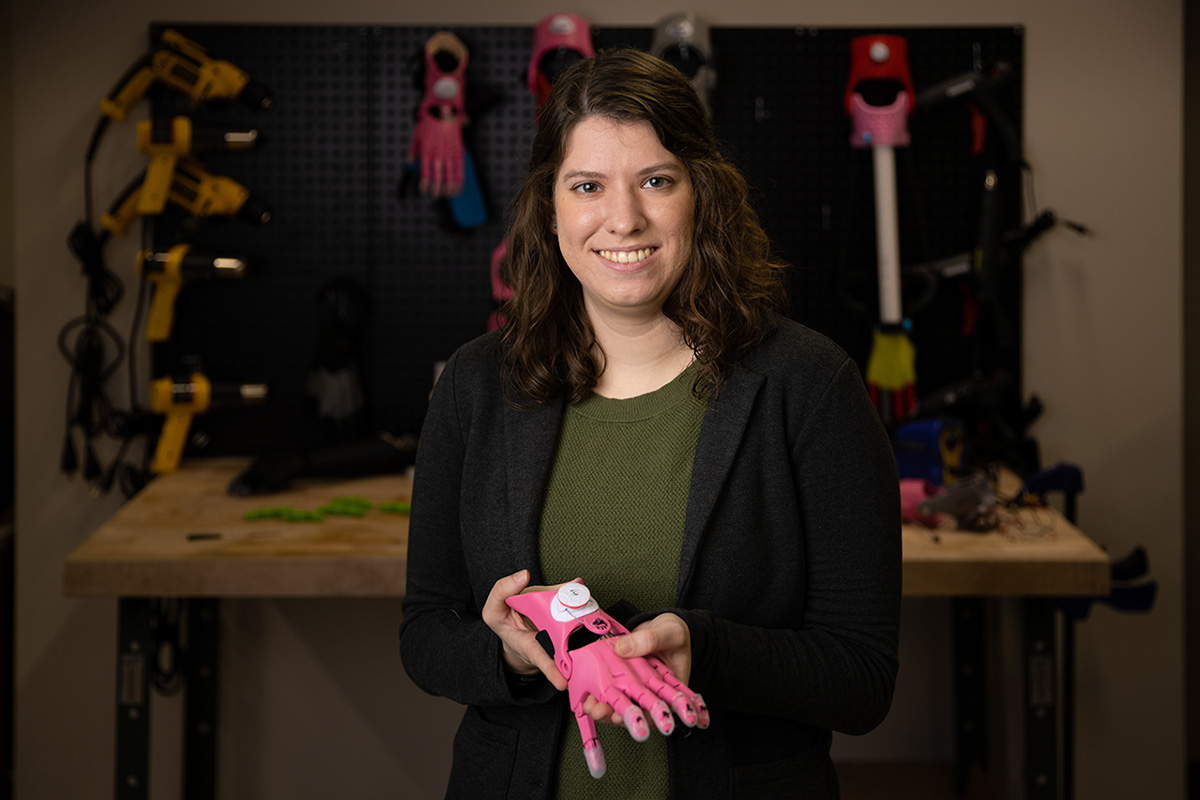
1041	700
970	698
134	651
200	721
1068	708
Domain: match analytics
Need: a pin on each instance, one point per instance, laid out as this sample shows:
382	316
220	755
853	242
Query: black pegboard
781	109
332	157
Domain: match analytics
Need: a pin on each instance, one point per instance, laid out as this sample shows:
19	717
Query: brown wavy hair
730	286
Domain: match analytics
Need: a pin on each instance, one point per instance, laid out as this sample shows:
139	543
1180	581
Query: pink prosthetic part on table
632	686
914	492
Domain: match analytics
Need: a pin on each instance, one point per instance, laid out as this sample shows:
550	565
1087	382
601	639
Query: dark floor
919	780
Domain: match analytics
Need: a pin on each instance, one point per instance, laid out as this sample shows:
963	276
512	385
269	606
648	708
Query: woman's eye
658	182
587	188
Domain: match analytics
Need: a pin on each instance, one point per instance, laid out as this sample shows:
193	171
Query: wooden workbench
183	536
1034	553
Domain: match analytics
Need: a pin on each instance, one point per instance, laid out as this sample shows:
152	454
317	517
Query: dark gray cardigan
789	577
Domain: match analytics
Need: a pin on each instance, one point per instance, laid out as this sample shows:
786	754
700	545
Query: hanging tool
437	151
166	141
182	65
683	40
335	382
169	271
181	399
203	194
971	501
501	291
977	90
185	66
881	62
559	40
929	449
196	191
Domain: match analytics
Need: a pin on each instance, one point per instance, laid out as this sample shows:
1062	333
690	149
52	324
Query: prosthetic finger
578	691
659	711
593	753
631	714
438	184
689	705
655	696
455	169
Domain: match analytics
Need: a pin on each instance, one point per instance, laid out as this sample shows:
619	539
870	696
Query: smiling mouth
627	256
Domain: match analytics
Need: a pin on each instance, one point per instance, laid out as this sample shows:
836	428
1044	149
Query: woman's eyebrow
581	173
666	166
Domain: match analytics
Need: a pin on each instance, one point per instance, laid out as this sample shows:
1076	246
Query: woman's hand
666	637
520	649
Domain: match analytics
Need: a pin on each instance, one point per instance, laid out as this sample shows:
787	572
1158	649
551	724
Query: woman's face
623	210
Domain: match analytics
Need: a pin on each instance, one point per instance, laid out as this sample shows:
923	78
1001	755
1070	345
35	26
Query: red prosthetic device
594	669
891	371
558	33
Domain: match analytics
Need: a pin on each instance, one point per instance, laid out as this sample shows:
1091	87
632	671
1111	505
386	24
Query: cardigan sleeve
445	646
835	667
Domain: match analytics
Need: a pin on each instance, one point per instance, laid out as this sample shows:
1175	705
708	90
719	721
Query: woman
646	421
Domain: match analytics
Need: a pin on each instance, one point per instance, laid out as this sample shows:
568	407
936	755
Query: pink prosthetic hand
437	141
594	669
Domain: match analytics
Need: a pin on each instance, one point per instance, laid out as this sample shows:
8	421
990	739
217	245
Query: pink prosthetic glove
437	141
629	685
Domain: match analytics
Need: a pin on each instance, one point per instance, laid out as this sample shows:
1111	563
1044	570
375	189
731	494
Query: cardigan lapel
720	437
530	436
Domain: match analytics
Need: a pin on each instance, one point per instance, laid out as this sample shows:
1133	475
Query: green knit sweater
613	516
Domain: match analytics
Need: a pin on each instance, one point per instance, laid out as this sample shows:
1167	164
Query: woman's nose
626	213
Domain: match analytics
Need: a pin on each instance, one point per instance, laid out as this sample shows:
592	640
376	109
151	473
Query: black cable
128	426
140	421
138	311
88	405
104	289
94	355
96	352
97	134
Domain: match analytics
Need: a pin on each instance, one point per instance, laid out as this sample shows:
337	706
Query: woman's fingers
520	649
600	711
666	637
494	607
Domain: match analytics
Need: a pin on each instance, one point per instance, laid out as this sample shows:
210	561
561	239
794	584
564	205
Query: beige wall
6	162
314	701
1191	386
